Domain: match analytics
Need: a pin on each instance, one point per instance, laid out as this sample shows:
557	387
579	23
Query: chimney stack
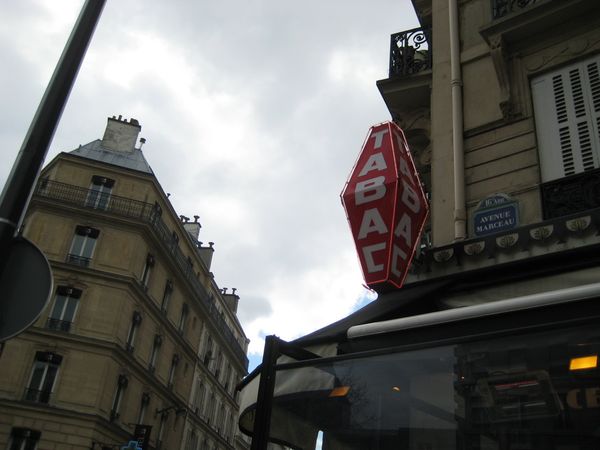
121	135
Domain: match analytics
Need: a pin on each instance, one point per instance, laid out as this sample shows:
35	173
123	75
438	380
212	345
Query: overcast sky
254	113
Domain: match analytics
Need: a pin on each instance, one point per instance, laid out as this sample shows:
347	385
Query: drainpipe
460	213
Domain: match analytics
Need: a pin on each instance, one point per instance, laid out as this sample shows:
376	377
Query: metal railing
57	324
77	260
410	52
35	395
501	8
149	214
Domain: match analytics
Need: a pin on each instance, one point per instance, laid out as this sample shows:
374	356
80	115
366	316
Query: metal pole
23	176
264	400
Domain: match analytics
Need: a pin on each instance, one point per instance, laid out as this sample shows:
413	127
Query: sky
253	113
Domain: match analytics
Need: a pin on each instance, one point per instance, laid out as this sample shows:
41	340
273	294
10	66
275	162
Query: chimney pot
211	244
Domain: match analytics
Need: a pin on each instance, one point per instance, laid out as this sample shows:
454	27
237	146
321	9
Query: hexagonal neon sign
385	206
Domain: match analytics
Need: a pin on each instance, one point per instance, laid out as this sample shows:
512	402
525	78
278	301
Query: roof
131	160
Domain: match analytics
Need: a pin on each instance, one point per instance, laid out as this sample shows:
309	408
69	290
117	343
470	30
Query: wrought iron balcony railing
572	194
78	260
149	214
57	324
410	52
501	8
35	395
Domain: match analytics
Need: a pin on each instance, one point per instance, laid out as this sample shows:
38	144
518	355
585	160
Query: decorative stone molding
507	240
443	255
475	248
567	51
541	233
579	224
500	60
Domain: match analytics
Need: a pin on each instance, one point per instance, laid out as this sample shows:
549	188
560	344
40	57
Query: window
174	363
166	295
230	429
99	193
161	430
221	418
143	407
136	320
210	409
192	441
43	376
155	350
23	439
122	382
82	247
567	118
208	354
199	397
147	270
226	376
218	363
65	306
183	317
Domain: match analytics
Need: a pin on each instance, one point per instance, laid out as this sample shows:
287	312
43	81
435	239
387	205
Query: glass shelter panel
530	391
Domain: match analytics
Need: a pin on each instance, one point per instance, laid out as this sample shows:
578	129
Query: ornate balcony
571	195
148	214
410	52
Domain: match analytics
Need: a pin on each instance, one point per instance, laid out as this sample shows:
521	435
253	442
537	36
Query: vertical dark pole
264	401
21	181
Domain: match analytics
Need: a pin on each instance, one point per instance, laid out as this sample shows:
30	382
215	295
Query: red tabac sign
386	207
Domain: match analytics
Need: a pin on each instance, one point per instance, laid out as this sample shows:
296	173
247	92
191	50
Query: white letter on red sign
375	162
404	229
397	252
368	253
371	221
374	185
379	137
410	197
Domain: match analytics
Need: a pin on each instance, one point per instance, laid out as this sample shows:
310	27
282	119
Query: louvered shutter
567	117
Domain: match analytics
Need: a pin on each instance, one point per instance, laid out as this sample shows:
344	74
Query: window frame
22	439
99	193
122	382
83	245
49	363
59	321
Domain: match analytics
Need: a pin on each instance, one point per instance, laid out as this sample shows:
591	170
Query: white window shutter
567	117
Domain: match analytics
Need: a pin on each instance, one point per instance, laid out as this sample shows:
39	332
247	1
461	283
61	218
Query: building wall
122	288
499	57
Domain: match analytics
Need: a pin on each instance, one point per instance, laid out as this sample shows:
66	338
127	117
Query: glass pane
39	370
87	248
521	392
77	245
59	305
98	196
48	383
70	310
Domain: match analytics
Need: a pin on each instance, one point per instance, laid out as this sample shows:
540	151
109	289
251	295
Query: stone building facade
135	321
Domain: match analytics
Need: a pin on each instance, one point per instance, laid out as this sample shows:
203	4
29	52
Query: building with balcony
485	345
136	326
